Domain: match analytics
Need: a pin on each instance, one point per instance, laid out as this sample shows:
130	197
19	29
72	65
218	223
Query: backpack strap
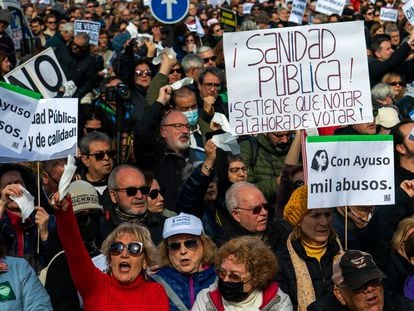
170	293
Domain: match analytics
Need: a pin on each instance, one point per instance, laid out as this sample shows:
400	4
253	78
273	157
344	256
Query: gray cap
5	16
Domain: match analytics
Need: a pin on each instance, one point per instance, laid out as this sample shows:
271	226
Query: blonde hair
137	232
404	226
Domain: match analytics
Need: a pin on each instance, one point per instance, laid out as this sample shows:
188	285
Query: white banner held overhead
408	10
297	78
388	15
297	12
90	28
17	108
350	170
42	74
52	134
330	7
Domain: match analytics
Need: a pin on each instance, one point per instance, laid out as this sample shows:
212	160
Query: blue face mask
192	116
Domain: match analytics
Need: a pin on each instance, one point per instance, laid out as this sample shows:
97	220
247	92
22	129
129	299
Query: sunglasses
141	73
132	191
153	194
372	283
256	210
133	248
178	70
400	83
369	13
92	129
86	217
207	59
99	156
189	244
52	22
233	277
80	47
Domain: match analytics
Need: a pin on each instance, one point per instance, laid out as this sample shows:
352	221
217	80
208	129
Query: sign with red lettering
297	78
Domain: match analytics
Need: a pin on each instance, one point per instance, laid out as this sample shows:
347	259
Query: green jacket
267	168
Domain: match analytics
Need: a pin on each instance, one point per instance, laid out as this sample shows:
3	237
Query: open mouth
124	267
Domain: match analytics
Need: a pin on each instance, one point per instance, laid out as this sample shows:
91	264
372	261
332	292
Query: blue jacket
187	286
20	289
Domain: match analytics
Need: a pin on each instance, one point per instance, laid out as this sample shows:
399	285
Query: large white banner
350	170
17	108
53	132
42	74
297	77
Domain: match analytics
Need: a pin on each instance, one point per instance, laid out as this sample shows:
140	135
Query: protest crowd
156	206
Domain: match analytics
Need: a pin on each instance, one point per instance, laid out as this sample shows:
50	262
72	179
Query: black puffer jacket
320	272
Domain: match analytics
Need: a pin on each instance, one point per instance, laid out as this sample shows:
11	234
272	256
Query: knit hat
84	196
297	207
182	224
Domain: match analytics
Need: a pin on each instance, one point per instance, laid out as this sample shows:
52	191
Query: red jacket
100	291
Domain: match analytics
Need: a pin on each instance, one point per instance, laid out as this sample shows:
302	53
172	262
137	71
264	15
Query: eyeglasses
369	13
207	59
178	126
189	40
400	83
233	277
178	70
236	170
99	156
192	245
153	194
92	129
80	47
133	248
257	209
212	85
52	178
51	22
372	283
84	218
140	73
132	191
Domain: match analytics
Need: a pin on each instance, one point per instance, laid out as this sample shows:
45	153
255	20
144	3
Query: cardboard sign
17	108
388	15
350	170
41	73
52	133
297	78
408	9
330	7
90	28
297	12
228	20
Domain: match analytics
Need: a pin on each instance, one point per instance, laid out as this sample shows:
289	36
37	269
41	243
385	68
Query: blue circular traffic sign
169	11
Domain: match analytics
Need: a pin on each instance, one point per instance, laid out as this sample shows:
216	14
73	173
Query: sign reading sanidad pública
350	170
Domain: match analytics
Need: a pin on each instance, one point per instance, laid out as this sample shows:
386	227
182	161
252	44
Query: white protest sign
41	73
350	170
247	8
330	7
297	78
408	10
52	134
90	28
388	15
298	9
17	108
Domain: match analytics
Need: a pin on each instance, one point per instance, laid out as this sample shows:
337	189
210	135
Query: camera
118	92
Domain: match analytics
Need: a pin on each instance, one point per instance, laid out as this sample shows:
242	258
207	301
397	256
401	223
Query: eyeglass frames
132	191
189	244
99	156
133	248
257	209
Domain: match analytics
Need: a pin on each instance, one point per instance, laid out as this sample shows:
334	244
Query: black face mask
232	291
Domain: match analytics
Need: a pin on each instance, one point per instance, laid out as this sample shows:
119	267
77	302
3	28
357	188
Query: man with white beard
161	145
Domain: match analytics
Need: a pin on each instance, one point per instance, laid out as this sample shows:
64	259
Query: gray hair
83	35
191	61
381	91
90	138
68	27
112	179
234	194
218	72
248	24
203	49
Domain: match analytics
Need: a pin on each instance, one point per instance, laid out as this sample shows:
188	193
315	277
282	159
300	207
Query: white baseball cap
182	224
